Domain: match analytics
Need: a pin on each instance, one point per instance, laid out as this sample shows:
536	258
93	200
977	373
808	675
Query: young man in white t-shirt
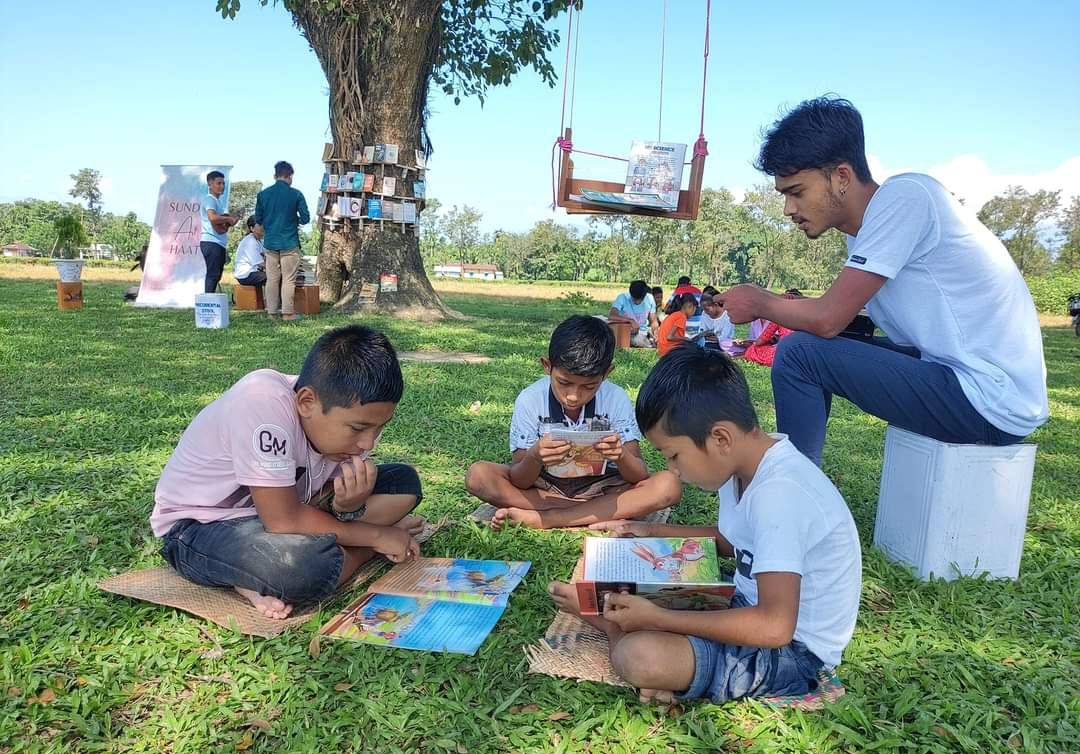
715	322
963	361
637	307
796	550
270	490
250	265
551	484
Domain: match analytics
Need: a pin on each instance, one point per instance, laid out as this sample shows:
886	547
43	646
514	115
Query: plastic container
953	510
211	310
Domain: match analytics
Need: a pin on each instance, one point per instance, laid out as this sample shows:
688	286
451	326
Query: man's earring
843	191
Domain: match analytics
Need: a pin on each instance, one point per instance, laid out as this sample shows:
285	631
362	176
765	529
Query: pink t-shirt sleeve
263	442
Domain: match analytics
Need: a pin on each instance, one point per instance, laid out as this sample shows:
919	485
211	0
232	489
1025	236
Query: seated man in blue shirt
638	308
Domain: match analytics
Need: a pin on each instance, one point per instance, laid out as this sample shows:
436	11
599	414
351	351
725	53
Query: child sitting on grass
673	330
795	546
539	488
270	490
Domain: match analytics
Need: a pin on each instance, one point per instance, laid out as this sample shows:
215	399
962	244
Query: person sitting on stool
250	267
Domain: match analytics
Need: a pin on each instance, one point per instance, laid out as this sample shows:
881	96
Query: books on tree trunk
433	604
680	573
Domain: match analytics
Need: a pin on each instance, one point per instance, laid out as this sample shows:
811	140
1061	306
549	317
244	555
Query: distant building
20	250
97	251
473	271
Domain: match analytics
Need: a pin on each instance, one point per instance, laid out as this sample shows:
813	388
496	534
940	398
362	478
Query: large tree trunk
378	57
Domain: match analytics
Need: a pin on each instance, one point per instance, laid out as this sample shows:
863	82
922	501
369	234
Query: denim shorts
727	671
295	568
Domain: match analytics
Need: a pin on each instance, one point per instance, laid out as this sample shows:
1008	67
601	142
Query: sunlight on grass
95	400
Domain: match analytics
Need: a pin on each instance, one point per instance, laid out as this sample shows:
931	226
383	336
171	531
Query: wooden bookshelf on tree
371	187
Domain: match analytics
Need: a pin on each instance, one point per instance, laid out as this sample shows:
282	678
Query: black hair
638	289
684	280
691	389
350	365
819	134
657	290
214	174
710	290
251	222
583	346
794	292
677	302
282	169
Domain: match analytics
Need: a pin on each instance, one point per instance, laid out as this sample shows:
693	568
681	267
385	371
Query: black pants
255	277
214	254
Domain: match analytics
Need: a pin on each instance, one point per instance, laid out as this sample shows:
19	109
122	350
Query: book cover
389	185
409	209
421	160
327	152
419	189
655	167
358	158
325	182
356	206
369	154
584	459
378	153
399	212
332	183
358	181
433	604
680	573
320	208
387	209
390	154
343	206
374	208
344	182
369	182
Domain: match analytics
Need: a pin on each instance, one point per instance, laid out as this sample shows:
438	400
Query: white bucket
70	269
211	310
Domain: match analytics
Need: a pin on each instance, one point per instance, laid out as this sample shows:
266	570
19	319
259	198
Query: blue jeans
728	671
295	568
889	381
214	254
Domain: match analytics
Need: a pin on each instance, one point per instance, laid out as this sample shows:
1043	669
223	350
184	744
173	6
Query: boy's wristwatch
346	516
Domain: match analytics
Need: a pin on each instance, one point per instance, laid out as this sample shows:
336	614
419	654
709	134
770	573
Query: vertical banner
175	270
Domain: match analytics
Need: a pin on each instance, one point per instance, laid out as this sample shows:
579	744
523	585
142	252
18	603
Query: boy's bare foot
412	524
520	516
660	697
565	597
269	606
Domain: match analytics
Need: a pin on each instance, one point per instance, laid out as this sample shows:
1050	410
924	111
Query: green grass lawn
94	401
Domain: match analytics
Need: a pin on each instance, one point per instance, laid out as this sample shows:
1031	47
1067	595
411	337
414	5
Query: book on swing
433	604
680	573
653	178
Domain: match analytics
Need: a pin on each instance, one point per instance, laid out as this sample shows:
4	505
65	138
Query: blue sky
980	94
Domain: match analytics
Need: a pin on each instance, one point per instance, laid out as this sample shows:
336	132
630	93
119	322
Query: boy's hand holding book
549	451
354	486
610	447
632	613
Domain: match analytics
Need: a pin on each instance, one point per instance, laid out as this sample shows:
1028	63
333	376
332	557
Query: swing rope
701	146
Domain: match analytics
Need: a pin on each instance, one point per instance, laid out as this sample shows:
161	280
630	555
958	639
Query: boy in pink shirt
270	490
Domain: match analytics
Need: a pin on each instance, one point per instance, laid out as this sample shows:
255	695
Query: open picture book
584	459
653	178
680	573
433	604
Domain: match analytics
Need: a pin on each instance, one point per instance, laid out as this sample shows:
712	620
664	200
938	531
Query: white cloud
970	177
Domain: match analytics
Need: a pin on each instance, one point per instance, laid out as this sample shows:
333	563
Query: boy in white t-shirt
544	486
963	357
796	550
249	267
638	308
270	490
715	322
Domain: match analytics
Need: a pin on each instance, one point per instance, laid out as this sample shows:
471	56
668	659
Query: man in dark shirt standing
280	210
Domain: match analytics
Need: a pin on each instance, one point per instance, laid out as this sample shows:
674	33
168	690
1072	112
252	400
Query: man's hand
744	302
624	528
549	451
610	447
632	613
354	486
396	544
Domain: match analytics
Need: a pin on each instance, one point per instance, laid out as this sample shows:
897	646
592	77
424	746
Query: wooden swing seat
689	199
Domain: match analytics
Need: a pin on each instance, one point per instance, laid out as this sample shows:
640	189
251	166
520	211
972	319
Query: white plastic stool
953	510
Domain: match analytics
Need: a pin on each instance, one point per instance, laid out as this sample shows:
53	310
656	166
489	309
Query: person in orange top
672	330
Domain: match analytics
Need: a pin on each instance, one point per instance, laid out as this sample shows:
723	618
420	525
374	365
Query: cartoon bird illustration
671	563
